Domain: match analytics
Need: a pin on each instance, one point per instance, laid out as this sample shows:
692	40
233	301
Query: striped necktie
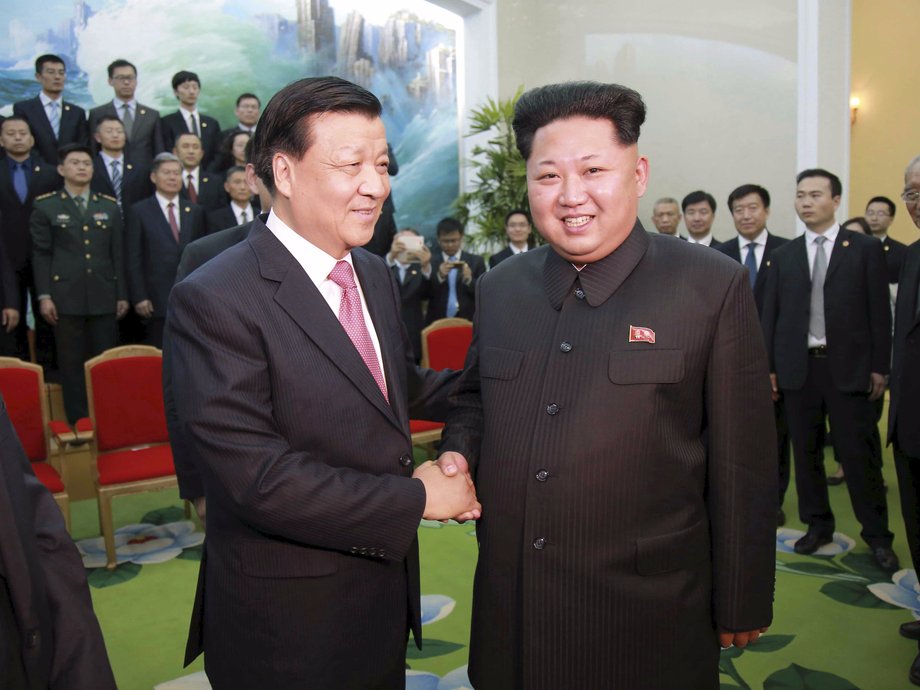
55	118
116	179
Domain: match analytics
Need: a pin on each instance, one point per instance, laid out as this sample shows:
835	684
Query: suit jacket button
552	409
539	543
579	293
542	476
405	460
565	346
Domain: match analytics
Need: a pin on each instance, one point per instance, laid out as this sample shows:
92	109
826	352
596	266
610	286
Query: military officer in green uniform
78	264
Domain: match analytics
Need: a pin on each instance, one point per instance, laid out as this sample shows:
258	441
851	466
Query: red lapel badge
641	334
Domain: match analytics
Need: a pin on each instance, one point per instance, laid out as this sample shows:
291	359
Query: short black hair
861	222
449	225
284	126
16	118
883	200
836	185
517	212
620	105
234	169
747	189
183	76
75	147
120	63
187	134
247	95
696	198
108	118
247	151
42	60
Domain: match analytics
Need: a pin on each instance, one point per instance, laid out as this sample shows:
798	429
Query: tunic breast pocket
630	367
499	363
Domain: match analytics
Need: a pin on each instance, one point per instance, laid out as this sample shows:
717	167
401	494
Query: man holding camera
454	275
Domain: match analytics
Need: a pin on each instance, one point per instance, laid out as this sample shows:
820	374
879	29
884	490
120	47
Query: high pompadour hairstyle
285	123
539	107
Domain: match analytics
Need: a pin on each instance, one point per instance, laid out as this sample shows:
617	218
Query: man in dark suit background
879	215
518	231
187	88
239	210
114	172
699	209
248	108
24	175
749	205
159	227
411	269
827	325
621	440
295	385
198	185
49	635
54	122
904	411
143	132
666	216
454	273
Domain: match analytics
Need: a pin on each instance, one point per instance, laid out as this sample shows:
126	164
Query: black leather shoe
886	558
780	518
910	630
914	674
811	542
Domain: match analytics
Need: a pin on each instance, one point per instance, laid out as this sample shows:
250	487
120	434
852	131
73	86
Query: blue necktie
55	119
452	305
19	181
750	263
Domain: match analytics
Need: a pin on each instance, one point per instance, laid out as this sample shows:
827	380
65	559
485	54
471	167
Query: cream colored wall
719	77
885	136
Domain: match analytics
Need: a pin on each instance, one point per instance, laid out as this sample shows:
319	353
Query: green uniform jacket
77	259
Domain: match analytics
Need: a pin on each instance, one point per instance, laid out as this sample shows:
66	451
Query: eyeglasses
911	197
879	214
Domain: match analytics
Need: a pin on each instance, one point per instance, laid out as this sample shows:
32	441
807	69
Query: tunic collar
600	279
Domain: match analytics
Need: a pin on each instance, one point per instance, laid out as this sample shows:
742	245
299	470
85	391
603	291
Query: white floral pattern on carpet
142	544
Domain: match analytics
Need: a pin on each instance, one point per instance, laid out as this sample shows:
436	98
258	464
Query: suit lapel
839	255
185	224
801	259
41	118
299	298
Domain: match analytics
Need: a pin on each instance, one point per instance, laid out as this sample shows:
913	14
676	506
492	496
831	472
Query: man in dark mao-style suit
49	635
453	267
621	440
300	571
830	349
749	205
72	129
904	411
152	249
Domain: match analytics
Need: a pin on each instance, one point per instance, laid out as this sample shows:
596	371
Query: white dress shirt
812	248
107	159
760	246
238	212
164	203
318	265
120	107
46	100
194	173
705	241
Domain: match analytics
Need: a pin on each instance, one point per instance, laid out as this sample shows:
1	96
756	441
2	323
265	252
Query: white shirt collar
193	172
830	234
107	159
237	209
515	250
164	202
118	103
317	263
46	99
761	240
706	239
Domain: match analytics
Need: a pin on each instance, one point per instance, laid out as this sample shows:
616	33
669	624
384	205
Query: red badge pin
641	334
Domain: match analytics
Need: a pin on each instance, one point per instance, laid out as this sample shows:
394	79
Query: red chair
130	442
22	385
444	346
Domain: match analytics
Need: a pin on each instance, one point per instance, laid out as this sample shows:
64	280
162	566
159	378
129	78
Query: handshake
449	489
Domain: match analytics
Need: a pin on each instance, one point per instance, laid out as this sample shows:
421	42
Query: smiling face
333	195
750	215
584	187
698	217
518	229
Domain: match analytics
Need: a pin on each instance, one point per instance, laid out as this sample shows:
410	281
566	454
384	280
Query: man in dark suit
114	172
518	231
699	209
24	176
666	216
904	411
411	268
750	207
248	108
454	273
49	635
300	422
187	88
79	276
159	227
143	132
239	210
54	122
827	326
879	215
198	186
621	440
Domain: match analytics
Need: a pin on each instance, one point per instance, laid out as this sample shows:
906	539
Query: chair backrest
445	343
22	385
124	387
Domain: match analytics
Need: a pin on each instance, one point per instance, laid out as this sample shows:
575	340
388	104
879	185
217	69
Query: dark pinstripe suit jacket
905	367
311	573
613	541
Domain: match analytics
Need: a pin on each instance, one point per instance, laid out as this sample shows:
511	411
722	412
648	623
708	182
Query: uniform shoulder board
110	198
46	195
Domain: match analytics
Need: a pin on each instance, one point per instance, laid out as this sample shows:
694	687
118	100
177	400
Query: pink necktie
351	317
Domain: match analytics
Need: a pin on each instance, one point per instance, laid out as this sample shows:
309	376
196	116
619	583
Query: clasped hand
449	489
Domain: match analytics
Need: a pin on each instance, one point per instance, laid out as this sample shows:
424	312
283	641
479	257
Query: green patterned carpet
830	631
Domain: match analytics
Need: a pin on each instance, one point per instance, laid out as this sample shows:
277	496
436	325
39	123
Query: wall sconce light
854	109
